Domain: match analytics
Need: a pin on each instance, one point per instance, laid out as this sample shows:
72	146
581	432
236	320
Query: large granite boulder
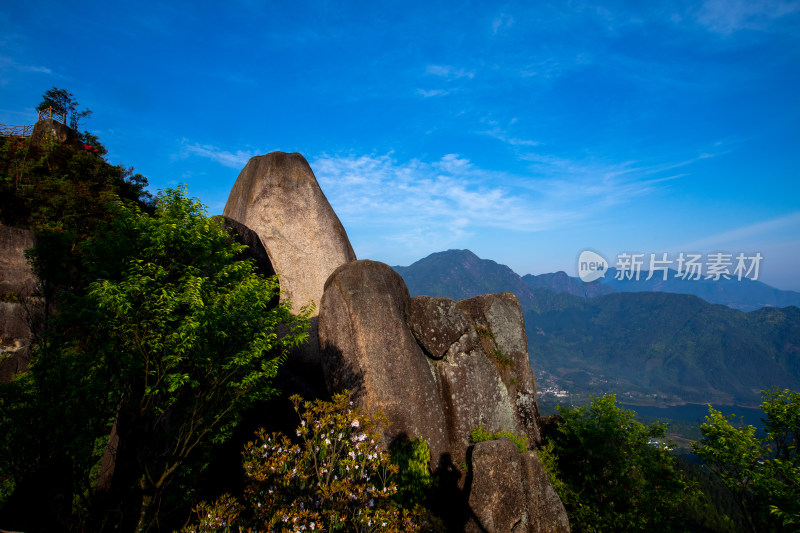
368	349
435	367
49	127
17	283
277	196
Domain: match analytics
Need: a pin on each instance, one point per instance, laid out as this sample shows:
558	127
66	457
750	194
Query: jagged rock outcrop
438	369
435	367
17	283
501	326
49	127
475	371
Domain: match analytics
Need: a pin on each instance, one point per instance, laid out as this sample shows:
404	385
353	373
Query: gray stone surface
436	324
546	512
497	496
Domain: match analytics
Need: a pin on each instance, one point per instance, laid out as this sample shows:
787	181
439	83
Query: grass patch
481	434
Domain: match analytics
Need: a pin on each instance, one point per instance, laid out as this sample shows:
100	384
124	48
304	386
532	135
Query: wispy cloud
449	72
503	135
429	93
728	16
418	204
229	159
9	63
752	234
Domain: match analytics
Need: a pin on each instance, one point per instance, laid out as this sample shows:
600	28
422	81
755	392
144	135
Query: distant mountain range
746	294
463	273
642	341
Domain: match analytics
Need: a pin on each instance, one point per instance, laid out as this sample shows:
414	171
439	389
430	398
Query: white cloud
223	157
504	136
449	72
433	92
728	16
7	62
435	205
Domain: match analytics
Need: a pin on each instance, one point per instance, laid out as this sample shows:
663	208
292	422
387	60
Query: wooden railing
16	131
48	113
24	131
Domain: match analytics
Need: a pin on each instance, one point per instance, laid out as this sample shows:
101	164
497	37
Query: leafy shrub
336	479
610	475
762	474
414	478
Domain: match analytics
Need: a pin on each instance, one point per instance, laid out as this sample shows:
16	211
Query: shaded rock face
510	491
255	249
277	196
17	283
54	128
438	369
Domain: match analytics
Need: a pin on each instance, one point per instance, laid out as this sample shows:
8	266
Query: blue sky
526	132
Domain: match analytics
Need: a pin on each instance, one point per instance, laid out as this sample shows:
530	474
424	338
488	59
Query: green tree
763	474
63	102
172	340
614	473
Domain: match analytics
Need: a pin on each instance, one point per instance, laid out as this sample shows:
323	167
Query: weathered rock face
367	349
469	376
499	319
510	491
17	283
438	369
277	196
61	132
546	512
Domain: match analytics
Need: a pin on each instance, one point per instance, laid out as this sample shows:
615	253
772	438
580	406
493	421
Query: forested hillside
650	347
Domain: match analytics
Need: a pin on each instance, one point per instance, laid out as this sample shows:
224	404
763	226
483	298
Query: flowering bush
336	479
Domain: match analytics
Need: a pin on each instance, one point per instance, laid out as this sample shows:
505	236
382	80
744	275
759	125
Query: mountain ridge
677	347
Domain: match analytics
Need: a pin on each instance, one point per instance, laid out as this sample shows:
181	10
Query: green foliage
481	434
611	473
763	474
414	478
336	478
60	187
63	102
172	340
